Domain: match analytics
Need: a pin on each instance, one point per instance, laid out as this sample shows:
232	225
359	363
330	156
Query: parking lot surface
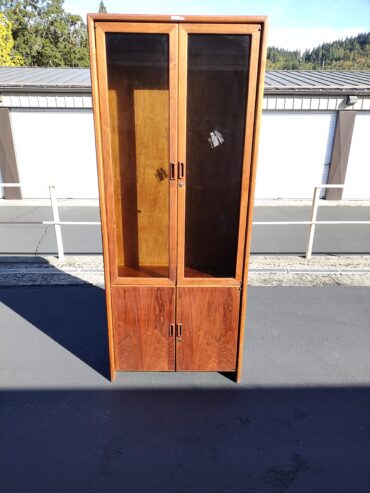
298	422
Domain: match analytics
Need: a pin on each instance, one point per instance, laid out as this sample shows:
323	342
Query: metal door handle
180	170
172	329
179	330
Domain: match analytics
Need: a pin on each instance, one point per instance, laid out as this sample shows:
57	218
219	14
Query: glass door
137	72
217	83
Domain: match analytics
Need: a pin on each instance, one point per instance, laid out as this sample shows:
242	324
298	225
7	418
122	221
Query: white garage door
357	183
294	147
55	147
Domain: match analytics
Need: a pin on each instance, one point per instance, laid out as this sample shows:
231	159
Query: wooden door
207	328
144	323
217	90
217	93
137	79
137	76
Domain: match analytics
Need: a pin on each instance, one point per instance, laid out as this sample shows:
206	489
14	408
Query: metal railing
312	224
57	223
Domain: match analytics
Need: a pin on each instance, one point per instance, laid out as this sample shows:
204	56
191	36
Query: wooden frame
177	27
101	29
251	191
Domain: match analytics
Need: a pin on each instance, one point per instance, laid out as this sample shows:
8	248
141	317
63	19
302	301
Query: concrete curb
267	270
329	270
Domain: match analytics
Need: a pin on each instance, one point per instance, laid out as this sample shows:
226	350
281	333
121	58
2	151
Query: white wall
357	183
294	146
55	147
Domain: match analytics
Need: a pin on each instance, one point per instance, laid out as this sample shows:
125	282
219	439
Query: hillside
349	54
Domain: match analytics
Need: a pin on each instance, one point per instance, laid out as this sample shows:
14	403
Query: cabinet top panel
239	19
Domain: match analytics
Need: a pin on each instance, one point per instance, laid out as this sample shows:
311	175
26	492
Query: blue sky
293	23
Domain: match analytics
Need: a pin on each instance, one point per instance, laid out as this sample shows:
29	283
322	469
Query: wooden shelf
142	271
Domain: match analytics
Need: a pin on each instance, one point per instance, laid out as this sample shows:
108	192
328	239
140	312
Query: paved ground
40	238
291	240
298	423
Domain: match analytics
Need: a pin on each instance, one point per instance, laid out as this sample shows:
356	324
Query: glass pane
216	103
138	89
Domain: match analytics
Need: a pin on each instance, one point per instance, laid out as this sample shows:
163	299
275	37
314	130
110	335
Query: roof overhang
317	92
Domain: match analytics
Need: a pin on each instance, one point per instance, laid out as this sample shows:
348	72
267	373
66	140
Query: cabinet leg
113	374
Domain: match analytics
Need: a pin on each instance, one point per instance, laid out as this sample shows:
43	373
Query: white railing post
56	219
315	205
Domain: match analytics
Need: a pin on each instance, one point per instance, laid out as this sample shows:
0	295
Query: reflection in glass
216	103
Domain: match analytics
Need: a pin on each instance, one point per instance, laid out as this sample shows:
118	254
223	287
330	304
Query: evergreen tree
102	8
349	54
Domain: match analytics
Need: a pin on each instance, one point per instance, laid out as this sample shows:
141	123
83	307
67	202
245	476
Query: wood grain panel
141	325
151	123
181	149
248	143
102	189
106	190
252	186
140	145
118	19
209	318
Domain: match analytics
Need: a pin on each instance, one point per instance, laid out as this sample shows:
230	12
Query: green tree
349	54
45	35
102	8
8	57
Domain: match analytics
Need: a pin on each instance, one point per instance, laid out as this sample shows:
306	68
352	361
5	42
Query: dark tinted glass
216	104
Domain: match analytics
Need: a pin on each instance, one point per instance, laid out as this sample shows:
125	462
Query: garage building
315	129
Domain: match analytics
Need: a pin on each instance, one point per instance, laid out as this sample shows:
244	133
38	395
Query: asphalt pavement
287	240
299	421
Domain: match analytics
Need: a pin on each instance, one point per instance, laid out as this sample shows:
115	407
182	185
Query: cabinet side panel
141	324
102	200
209	317
252	186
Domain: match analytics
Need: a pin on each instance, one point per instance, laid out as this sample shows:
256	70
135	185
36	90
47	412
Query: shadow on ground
243	440
75	319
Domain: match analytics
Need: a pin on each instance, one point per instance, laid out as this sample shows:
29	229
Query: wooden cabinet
209	328
177	103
